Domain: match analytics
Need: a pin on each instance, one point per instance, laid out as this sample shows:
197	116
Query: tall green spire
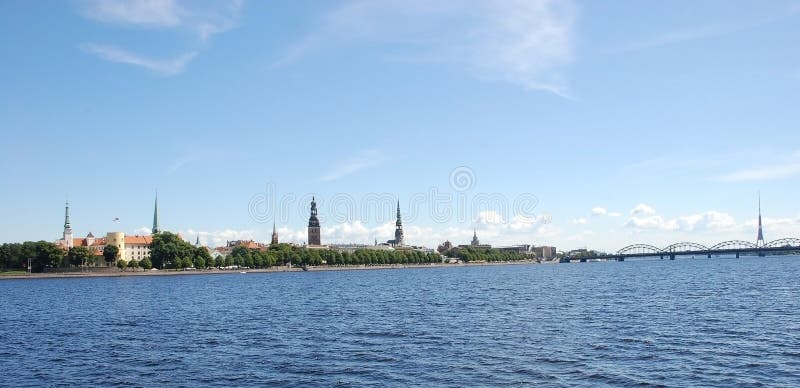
66	216
155	216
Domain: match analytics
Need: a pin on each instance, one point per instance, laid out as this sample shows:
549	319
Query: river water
710	322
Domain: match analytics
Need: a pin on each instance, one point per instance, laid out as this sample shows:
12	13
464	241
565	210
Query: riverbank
110	272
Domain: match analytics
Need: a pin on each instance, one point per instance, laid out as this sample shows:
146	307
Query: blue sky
627	121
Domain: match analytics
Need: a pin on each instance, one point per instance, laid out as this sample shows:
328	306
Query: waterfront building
66	241
545	252
314	238
130	247
475	243
398	231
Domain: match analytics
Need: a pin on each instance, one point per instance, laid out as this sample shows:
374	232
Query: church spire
274	234
398	231
66	216
475	241
67	238
155	216
760	238
313	225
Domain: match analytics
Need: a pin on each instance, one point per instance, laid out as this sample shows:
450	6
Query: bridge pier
662	257
672	257
737	255
709	255
620	258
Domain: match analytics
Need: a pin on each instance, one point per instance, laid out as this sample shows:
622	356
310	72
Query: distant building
130	247
475	243
314	238
524	249
545	252
398	231
66	238
445	246
274	240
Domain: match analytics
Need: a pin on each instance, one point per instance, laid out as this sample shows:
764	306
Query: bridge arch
733	244
638	248
791	241
685	247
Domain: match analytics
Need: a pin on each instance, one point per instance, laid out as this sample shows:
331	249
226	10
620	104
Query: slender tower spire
197	242
155	216
68	242
398	231
274	235
66	216
313	225
760	238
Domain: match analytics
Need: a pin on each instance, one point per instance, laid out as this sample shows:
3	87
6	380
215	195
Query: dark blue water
677	323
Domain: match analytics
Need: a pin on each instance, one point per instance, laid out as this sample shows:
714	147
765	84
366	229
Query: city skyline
657	128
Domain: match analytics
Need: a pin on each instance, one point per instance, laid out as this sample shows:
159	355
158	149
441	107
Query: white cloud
712	221
614	214
220	237
202	18
521	41
487	217
599	211
161	13
358	162
163	66
643	210
580	221
143	231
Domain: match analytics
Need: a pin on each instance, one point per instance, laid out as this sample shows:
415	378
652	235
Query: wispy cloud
170	66
784	168
358	162
708	31
201	19
158	13
642	209
525	42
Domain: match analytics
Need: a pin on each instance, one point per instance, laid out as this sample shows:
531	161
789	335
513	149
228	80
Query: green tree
202	257
11	257
110	253
168	248
219	262
146	264
78	256
121	264
133	264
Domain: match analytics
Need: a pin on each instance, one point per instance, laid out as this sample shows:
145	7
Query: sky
567	123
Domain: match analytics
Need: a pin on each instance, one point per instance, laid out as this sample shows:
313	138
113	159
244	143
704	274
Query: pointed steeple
66	216
67	238
155	216
398	231
313	225
197	242
475	241
274	234
760	238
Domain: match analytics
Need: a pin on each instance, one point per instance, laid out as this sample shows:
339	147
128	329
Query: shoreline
112	273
